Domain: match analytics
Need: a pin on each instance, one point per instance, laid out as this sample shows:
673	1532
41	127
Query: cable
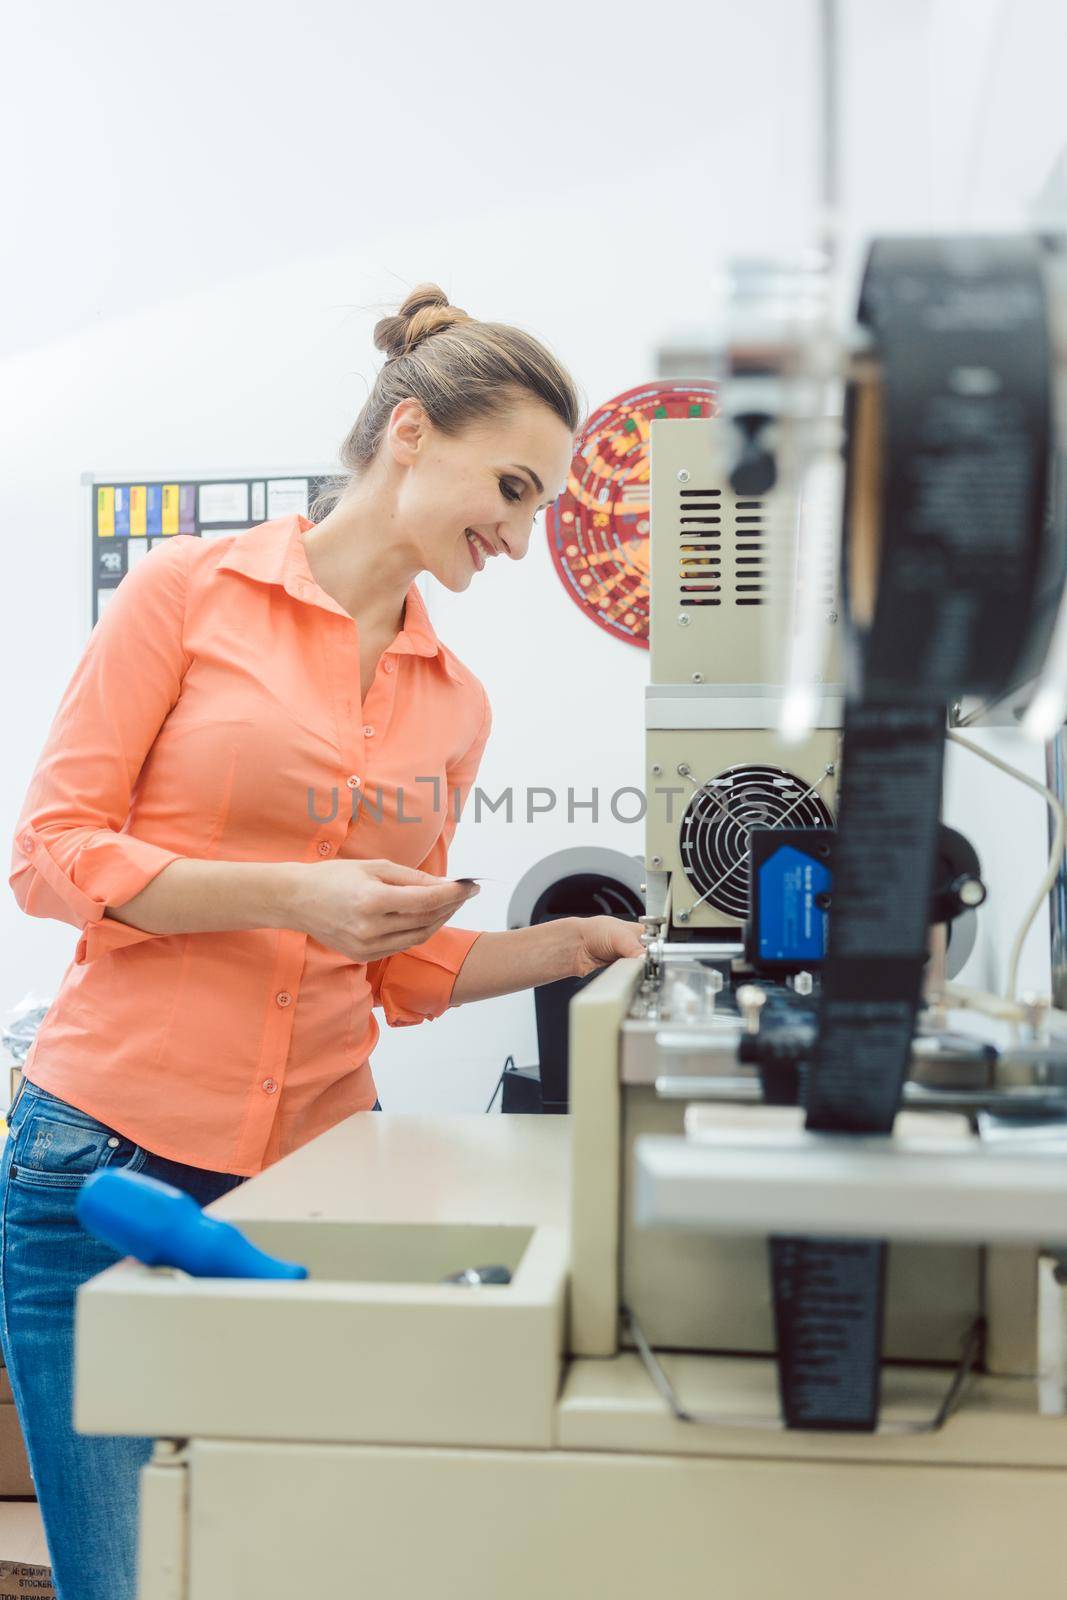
1059	838
961	998
509	1061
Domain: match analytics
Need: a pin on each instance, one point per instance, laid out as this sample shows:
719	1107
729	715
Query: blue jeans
86	1483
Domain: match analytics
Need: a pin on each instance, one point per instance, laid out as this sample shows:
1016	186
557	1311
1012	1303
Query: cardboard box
24	1568
14	1467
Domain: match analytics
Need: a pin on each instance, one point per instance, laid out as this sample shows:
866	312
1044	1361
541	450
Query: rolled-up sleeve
73	855
415	985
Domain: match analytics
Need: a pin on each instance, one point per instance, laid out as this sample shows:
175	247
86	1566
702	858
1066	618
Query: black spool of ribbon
950	556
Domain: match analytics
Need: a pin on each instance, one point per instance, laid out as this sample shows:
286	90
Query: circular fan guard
713	841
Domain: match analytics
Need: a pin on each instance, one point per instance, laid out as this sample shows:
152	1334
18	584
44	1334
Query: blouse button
368	732
269	1086
387	666
26	842
353	782
325	848
284	999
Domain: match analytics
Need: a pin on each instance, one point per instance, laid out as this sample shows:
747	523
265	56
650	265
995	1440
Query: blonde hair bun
478	372
425	311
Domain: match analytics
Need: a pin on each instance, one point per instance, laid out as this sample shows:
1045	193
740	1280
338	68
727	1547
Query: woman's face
491	481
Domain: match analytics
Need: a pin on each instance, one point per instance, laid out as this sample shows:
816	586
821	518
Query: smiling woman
236	939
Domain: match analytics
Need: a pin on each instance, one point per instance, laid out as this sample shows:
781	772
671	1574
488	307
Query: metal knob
750	1001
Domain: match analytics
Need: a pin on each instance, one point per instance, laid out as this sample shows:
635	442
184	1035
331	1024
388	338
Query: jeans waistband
28	1090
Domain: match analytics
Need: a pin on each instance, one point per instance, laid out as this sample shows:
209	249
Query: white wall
210	219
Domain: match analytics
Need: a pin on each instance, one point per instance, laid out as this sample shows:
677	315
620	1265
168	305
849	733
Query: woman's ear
406	431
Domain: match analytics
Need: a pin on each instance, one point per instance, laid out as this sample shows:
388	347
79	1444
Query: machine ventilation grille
713	841
750	551
700	548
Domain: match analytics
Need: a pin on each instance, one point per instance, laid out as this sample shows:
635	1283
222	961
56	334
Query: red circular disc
598	529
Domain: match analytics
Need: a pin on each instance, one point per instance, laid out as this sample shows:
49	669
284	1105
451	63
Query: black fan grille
713	841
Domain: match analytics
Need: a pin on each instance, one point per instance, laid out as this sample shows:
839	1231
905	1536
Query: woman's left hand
602	940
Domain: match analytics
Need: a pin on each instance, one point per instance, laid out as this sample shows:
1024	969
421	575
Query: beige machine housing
375	1427
725	582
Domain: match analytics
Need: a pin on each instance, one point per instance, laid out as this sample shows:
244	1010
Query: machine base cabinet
226	1521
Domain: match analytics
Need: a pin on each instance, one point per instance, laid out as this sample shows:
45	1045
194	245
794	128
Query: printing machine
610	1420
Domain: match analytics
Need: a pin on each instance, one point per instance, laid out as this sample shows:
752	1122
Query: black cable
509	1061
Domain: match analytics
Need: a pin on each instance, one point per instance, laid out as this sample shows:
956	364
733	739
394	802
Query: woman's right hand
370	909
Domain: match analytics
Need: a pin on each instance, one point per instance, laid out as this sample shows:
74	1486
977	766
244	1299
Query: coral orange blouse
215	713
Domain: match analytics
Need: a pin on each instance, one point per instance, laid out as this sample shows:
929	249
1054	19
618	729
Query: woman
245	803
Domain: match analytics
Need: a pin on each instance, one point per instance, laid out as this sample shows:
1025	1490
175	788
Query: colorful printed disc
598	529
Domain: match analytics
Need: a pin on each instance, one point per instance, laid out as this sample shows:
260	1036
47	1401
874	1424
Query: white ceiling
160	149
151	150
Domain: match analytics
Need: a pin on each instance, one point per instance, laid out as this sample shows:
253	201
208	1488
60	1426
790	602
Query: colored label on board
105	513
170	508
122	513
111	561
137	511
187	508
154	509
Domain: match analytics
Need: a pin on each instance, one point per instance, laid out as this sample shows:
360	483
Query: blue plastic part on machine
164	1227
792	882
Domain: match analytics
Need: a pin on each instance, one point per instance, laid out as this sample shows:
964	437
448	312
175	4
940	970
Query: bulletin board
130	515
